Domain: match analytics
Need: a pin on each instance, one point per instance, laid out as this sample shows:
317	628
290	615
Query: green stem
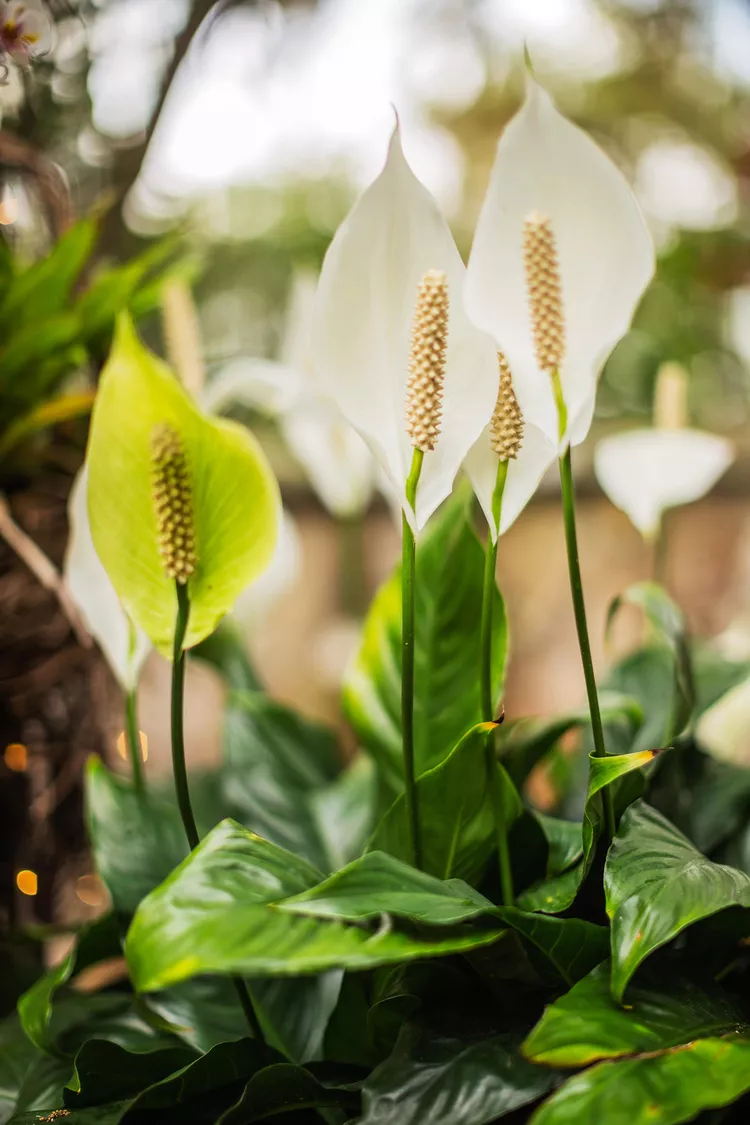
408	575
488	704
178	736
579	606
179	768
133	736
488	597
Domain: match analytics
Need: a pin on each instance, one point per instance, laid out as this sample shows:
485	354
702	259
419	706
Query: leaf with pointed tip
216	913
557	893
586	1025
656	884
450	576
451	1080
665	1089
456	820
378	884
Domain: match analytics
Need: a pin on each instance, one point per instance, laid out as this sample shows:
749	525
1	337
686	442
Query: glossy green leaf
656	884
96	942
662	1090
378	884
215	913
450	571
571	945
234	495
136	845
586	1025
450	1080
554	894
668	624
455	812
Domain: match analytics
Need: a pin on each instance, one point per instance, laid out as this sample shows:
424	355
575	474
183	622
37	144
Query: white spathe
334	457
124	646
724	729
547	164
644	472
524	474
366	296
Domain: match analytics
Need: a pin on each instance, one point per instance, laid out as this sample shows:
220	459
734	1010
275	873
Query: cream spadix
508	438
392	239
552	183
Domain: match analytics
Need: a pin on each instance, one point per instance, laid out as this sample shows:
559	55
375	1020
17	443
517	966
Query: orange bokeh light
27	882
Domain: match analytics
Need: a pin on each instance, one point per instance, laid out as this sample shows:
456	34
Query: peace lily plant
407	938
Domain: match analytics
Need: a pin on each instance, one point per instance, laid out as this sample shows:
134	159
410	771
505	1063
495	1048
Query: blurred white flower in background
255	604
644	472
547	165
724	729
124	646
337	462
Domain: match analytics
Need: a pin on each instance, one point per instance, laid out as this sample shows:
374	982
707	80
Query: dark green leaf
441	1080
656	884
278	1089
225	651
557	893
586	1025
274	760
455	812
106	1072
450	571
662	1090
95	943
668	623
136	842
215	913
571	945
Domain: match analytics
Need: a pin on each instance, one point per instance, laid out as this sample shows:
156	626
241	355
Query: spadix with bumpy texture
173	504
506	424
173	496
429	342
544	291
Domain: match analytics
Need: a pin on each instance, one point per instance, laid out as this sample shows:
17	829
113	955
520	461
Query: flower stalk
424	399
545	301
133	738
505	434
408	582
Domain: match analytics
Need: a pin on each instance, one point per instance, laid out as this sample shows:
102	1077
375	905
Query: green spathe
235	496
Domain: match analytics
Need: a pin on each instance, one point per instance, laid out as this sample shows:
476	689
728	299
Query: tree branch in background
43	570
